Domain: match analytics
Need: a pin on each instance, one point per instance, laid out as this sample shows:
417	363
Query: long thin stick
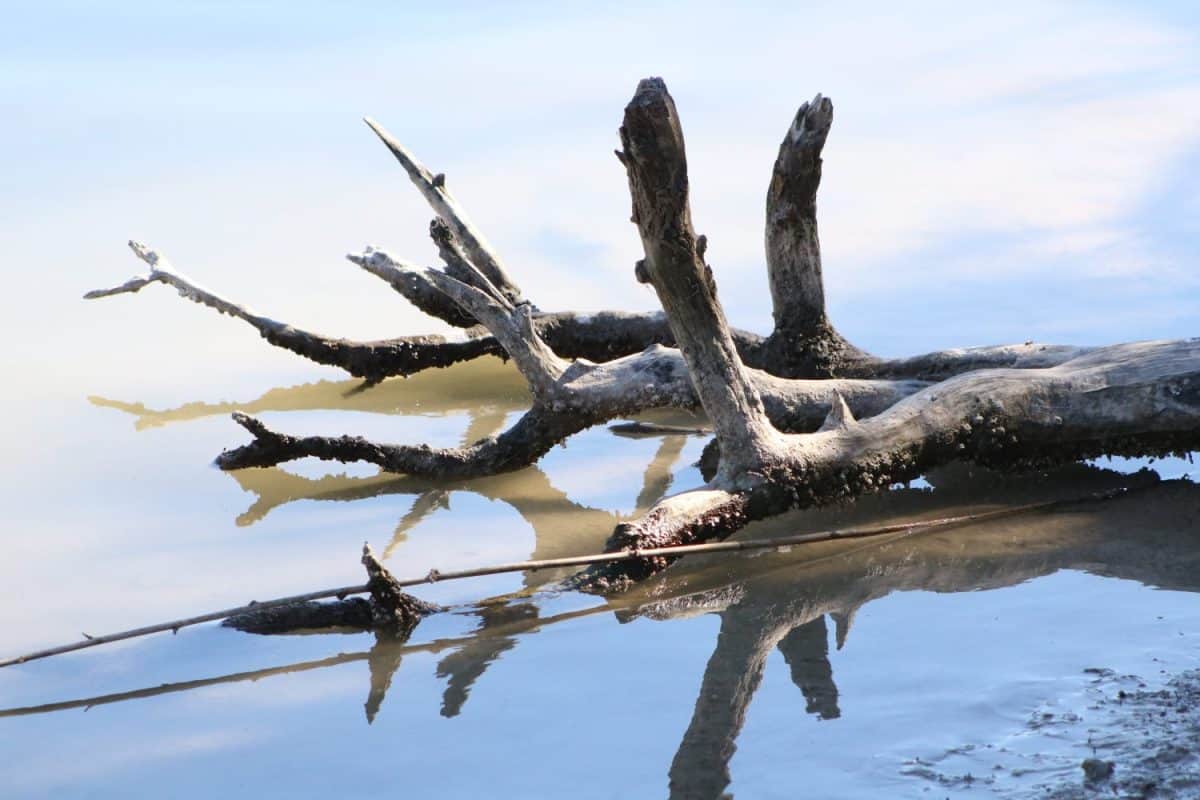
435	646
434	575
93	641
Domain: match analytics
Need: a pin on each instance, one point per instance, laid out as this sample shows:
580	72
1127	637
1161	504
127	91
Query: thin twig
175	625
435	646
435	575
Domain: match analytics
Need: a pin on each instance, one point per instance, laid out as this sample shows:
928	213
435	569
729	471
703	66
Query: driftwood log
800	417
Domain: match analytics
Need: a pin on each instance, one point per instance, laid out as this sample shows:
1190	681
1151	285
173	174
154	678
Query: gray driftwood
800	416
1129	399
803	342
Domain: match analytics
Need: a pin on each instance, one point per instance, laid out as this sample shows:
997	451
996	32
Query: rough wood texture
784	440
656	163
1132	399
803	342
793	247
433	189
584	394
393	610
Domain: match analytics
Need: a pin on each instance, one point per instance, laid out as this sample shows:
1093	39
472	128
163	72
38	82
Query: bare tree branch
793	247
803	342
657	167
1132	399
783	442
371	360
433	189
410	282
583	395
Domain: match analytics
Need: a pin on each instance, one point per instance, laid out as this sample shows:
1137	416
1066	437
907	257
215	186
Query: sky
1003	174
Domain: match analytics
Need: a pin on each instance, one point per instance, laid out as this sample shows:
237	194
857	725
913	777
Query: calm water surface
917	666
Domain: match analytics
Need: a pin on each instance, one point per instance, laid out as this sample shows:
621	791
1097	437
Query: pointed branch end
395	147
373	259
144	252
842	621
839	417
812	122
252	424
392	609
128	287
652	85
370	562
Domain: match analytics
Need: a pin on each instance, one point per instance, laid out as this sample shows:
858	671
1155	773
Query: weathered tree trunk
1128	399
657	166
800	417
803	342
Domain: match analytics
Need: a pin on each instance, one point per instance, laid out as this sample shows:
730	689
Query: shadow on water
782	601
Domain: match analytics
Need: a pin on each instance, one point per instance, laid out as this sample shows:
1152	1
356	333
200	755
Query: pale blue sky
1026	172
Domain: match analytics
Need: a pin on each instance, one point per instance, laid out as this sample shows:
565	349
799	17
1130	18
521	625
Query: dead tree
802	344
800	417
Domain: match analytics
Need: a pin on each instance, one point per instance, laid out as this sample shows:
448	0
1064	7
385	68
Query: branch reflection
781	600
484	384
778	601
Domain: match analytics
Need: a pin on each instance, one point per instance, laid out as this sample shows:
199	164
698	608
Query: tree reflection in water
779	601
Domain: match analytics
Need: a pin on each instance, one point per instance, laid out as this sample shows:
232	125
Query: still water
968	662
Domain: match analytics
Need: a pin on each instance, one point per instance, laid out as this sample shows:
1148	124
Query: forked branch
433	189
1132	399
371	360
881	422
656	163
803	344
